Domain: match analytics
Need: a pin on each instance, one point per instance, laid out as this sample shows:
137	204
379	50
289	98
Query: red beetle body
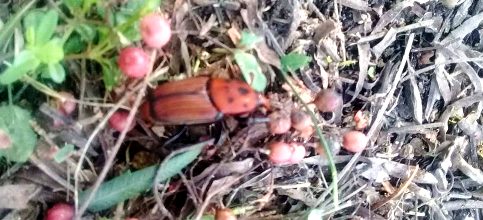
198	100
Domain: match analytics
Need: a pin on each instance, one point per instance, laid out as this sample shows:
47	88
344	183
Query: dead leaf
416	101
381	169
267	55
17	196
360	5
234	33
473	173
225	169
222	183
364	59
388	39
464	29
324	30
300	195
391	15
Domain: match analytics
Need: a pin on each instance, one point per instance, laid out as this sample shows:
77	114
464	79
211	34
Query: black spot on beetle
243	91
231	99
245	105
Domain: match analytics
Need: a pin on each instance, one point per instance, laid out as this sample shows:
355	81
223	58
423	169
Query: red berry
133	62
225	214
155	30
300	120
328	100
280	152
60	211
279	123
298	153
66	106
354	141
118	121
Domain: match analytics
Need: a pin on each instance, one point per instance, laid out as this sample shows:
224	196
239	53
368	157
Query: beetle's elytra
198	100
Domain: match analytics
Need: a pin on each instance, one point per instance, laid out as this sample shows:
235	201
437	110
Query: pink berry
60	211
328	100
66	106
133	62
279	123
155	30
298	153
280	152
118	121
301	121
354	141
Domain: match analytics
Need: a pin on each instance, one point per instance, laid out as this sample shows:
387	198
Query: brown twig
398	192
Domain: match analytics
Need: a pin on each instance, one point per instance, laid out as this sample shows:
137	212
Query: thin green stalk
9	90
323	142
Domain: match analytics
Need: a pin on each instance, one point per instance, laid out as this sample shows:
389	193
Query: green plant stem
322	141
9	89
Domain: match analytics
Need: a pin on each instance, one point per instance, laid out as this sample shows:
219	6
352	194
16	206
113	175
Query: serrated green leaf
9	27
55	72
294	61
251	71
64	153
49	53
24	62
14	121
46	28
131	184
249	40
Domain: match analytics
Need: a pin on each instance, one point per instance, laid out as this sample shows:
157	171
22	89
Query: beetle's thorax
232	96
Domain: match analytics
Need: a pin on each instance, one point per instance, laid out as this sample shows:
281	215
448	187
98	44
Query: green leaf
14	121
87	32
13	20
129	185
50	53
40	26
294	61
72	4
30	23
252	73
110	75
46	28
249	40
132	33
150	5
24	62
74	44
88	4
64	153
55	72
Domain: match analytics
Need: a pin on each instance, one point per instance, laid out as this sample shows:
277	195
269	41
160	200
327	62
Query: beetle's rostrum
198	100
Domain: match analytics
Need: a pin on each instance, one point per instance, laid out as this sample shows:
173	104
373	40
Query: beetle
199	100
